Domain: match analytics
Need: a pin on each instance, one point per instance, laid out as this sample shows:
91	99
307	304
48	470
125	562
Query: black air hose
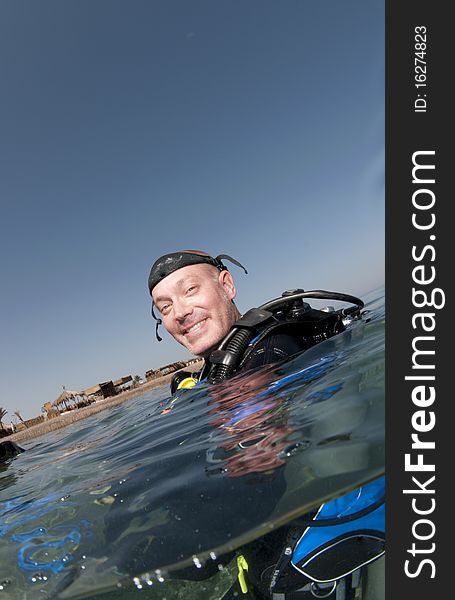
236	346
318	294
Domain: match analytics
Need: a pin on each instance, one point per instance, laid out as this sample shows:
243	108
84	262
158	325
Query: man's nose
181	309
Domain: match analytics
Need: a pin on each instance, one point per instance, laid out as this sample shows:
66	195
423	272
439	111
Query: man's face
196	306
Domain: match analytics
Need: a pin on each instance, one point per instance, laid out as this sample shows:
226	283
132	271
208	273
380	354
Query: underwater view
154	496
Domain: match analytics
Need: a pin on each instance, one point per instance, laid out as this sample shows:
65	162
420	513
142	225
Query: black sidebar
420	344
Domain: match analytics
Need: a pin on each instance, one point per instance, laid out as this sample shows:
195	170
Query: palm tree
2	414
18	415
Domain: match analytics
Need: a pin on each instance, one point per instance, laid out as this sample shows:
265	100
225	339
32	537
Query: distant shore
70	417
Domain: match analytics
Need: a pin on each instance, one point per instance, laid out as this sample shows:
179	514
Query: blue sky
130	129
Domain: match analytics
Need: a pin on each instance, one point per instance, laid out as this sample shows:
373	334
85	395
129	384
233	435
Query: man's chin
204	350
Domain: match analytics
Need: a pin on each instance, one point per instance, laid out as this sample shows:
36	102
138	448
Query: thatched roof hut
175	366
95	389
105	389
123	380
65	396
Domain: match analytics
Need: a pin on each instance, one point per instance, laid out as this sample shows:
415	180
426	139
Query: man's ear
227	281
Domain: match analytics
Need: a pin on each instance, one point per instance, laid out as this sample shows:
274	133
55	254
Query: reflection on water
162	488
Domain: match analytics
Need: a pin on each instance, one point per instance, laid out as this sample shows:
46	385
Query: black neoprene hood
168	263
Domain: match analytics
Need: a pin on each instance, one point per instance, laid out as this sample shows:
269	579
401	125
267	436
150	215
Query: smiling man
194	294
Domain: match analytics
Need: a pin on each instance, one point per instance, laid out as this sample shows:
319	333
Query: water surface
159	490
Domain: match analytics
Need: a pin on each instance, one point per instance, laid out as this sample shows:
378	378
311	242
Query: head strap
168	263
220	257
158	323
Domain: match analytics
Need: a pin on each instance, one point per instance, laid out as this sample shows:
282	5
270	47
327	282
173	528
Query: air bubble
145	576
159	576
294	448
5	583
38	577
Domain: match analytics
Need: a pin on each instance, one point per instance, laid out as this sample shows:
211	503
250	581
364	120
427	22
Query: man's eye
164	308
190	289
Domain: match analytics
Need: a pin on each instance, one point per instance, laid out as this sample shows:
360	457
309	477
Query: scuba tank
324	554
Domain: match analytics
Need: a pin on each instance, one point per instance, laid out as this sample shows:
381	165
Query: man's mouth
194	328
